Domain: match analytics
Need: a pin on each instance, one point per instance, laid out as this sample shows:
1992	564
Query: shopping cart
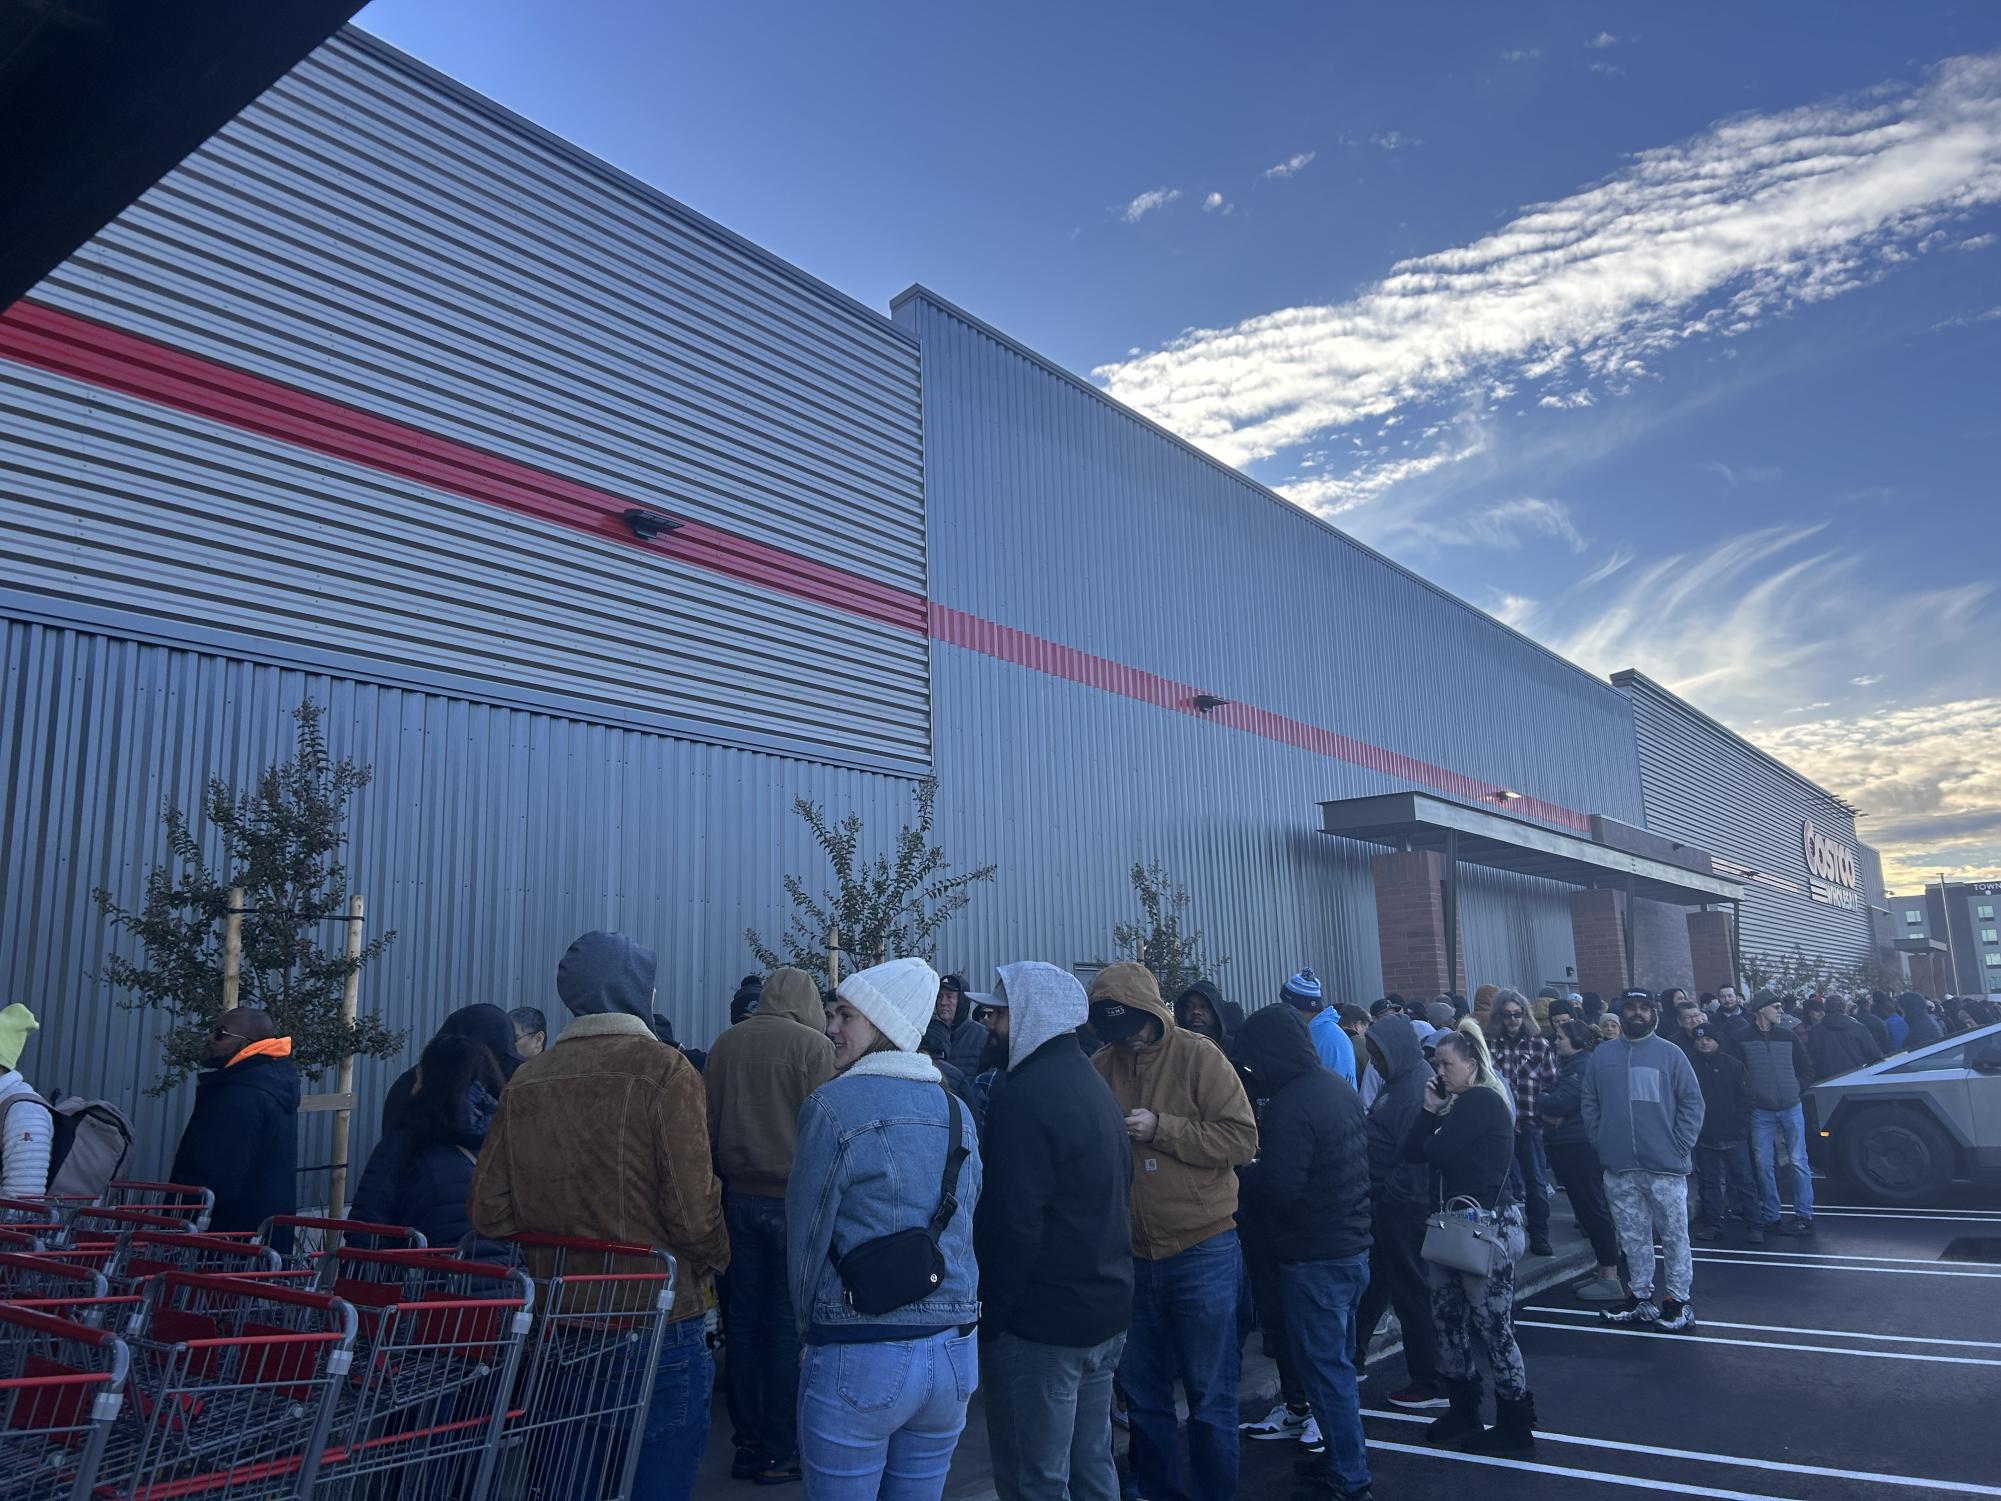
60	1392
25	1275
103	1227
183	1201
573	1432
148	1253
316	1241
438	1344
232	1393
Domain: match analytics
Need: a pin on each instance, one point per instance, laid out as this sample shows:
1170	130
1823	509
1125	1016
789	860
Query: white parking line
1733	1461
1536	1467
1891	1212
1756	1344
1732	1259
1819	1255
1892	1339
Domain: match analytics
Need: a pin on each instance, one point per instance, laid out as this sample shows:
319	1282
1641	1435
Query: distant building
1961	915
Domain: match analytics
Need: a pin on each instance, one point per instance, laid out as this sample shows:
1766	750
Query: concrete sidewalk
972	1465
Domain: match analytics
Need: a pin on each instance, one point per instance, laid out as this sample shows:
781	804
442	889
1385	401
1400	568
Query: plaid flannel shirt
1529	1066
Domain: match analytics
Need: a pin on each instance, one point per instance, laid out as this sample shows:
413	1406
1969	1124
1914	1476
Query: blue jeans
586	1461
1049	1419
1529	1179
1724	1171
1320	1299
1184	1324
1789	1126
881	1419
761	1360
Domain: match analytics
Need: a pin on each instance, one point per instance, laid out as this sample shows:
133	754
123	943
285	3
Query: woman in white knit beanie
883	1390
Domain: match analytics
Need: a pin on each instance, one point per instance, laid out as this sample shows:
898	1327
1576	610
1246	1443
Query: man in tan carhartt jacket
605	1136
758	1075
1191	1127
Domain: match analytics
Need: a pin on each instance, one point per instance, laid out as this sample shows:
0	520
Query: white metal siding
372	234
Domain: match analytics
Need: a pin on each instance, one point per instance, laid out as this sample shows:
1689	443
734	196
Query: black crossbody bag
885	1274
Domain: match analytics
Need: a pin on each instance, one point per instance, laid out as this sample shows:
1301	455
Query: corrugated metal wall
1057	512
489	839
370	233
1717	791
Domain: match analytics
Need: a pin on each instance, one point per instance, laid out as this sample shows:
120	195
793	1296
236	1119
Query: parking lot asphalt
1857	1362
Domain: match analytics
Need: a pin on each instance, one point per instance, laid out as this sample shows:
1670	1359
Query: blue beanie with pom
1303	989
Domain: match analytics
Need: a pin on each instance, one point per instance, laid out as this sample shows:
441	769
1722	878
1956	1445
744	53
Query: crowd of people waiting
1071	1199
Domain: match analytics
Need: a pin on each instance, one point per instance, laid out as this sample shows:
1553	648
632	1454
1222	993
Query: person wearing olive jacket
1307	1191
1189	1126
1052	1236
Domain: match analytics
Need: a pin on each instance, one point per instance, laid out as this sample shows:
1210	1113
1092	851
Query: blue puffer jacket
1565	1099
425	1187
871	1154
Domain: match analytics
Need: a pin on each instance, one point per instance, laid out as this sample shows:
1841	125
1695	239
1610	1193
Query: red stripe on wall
65	344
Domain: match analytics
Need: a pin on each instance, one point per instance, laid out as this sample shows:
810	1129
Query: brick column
1410	923
1598	930
1709	950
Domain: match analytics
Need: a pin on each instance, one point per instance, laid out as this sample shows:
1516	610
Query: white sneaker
1310	1439
1280	1422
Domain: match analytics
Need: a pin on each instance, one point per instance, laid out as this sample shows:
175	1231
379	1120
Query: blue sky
1667	334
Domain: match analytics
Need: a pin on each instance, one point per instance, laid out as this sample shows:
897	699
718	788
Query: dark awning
1417	821
99	98
1921	946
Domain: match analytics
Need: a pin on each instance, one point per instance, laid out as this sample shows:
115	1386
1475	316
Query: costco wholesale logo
1833	866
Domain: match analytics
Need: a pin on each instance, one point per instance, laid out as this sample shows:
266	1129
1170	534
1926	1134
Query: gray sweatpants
1644	1204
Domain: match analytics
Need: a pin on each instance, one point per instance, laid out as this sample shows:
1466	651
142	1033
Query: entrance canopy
1474	836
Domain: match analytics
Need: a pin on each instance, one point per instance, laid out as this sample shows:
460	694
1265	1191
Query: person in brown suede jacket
759	1074
1191	1127
606	1136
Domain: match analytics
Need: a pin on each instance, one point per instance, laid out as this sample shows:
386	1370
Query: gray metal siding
489	839
370	233
1707	786
1056	511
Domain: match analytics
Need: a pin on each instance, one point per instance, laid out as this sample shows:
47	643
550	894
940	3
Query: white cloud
1504	526
1393	140
1706	238
1867	680
1147	202
1297	162
1620	558
1927	778
1517	610
1605	39
1977	242
1566	401
1610	70
1213	202
1522	55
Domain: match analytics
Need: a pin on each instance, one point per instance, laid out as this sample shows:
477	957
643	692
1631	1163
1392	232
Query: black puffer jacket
1563	1102
1726	1098
1777	1064
1306	1193
425	1186
483	1023
242	1142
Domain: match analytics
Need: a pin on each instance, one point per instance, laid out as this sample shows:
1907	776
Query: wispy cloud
1621	557
1605	39
1382	140
1504	526
1977	242
1298	162
1521	55
1707	238
1927	779
1609	70
1214	202
1147	202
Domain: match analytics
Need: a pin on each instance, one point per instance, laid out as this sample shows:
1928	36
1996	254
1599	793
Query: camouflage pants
1475	1316
1643	1205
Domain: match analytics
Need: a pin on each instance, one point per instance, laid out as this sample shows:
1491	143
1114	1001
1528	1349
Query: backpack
91	1141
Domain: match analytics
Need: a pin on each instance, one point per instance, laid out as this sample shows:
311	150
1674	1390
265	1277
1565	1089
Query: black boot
1462	1422
1513	1433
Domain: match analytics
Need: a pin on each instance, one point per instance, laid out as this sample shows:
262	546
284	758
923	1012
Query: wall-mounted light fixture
1507	795
1206	702
646	525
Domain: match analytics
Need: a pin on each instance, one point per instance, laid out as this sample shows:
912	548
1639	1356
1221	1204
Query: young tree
281	842
1159	940
888	907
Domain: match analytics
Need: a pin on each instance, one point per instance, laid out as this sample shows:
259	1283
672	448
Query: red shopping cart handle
42	1323
581	1243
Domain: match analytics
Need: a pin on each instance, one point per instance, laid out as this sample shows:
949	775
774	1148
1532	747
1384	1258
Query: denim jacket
871	1154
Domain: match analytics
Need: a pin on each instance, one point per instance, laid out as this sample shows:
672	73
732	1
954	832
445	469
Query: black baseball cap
1115	1021
1637	998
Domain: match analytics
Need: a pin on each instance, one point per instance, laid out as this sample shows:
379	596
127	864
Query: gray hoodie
1042	1002
607	973
1642	1106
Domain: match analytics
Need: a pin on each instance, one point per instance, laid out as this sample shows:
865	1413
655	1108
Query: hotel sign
1832	865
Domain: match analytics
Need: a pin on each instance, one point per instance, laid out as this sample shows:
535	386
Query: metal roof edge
1634	675
917	289
395	56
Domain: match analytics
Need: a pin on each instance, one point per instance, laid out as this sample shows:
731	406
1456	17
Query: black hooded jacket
1726	1098
242	1142
482	1023
1396	1105
1228	1013
1924	1029
1839	1045
1306	1193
